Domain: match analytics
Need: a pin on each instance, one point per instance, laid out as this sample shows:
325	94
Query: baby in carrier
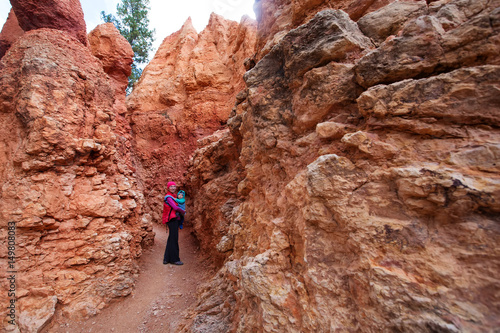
181	202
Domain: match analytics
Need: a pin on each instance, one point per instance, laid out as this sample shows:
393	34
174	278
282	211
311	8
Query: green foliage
133	24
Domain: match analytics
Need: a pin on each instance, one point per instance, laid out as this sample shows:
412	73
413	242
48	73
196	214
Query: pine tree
133	24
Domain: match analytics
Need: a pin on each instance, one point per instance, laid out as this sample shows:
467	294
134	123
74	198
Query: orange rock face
65	15
370	190
185	93
65	185
115	53
11	31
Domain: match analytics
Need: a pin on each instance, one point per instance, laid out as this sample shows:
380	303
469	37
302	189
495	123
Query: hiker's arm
172	204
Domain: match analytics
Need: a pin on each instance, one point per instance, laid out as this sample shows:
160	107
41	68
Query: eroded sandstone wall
370	197
67	181
186	93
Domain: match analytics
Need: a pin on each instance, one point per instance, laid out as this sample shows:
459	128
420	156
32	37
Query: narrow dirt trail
162	293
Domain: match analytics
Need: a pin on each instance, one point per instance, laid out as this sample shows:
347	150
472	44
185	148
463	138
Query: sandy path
162	293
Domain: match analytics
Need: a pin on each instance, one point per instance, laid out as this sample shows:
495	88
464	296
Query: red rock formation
11	31
65	15
185	93
371	191
76	205
115	53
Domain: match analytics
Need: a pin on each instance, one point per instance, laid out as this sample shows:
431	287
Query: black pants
172	250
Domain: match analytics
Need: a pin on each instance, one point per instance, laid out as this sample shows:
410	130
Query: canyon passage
340	161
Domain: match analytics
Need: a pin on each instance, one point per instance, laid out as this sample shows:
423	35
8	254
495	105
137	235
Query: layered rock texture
186	93
115	54
358	186
277	17
67	179
64	15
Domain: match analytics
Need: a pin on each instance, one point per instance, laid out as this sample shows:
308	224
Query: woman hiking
170	207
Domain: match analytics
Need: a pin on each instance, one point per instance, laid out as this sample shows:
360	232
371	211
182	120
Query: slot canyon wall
185	93
67	171
357	186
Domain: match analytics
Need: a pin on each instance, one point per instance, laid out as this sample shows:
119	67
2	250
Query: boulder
388	20
114	51
64	15
330	130
464	96
277	17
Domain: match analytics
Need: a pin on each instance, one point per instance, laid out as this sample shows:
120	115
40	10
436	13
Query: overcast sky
166	16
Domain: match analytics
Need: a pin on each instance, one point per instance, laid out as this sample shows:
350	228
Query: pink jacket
170	209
